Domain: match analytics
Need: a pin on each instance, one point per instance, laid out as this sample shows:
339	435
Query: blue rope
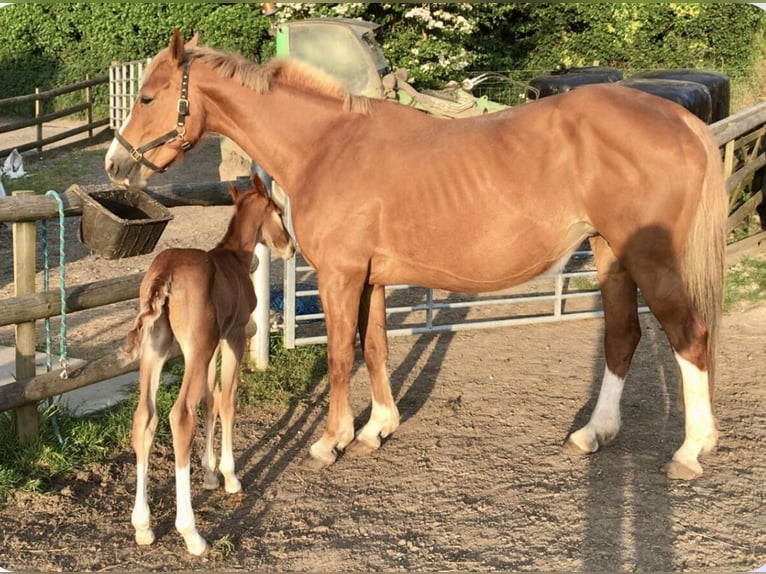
62	290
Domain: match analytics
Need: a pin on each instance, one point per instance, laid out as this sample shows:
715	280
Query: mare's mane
286	71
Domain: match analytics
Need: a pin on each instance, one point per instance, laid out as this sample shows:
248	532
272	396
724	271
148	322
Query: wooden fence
741	138
41	117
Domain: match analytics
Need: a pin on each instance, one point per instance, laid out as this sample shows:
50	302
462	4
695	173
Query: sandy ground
472	480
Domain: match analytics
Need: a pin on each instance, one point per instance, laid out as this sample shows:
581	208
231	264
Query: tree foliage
49	45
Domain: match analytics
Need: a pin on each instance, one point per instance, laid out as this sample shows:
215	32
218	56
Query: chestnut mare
203	300
383	194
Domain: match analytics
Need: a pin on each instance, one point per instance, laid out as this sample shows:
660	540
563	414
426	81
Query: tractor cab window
334	49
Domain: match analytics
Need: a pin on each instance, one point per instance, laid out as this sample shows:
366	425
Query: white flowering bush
429	40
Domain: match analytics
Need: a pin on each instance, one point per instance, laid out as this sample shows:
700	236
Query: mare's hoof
677	470
571	448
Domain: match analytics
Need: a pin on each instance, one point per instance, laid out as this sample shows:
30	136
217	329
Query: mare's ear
177	46
193	42
258	186
233	192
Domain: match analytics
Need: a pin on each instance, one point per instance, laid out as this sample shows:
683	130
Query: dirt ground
472	480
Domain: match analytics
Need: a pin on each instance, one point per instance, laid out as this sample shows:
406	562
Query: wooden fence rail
741	138
40	98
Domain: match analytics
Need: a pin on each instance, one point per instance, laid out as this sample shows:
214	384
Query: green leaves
54	44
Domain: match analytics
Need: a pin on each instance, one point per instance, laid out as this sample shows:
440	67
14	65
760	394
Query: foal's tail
150	309
704	257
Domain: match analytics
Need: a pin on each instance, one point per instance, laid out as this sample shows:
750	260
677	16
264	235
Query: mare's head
166	119
254	210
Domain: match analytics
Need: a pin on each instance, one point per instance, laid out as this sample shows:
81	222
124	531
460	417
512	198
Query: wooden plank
747	247
44	118
37	388
738	124
35	207
744	211
54	92
54	138
78	298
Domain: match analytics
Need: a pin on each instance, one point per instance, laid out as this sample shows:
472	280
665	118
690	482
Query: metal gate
560	295
124	79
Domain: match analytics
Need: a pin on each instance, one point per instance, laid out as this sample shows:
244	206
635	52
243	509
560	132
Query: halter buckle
136	155
183	106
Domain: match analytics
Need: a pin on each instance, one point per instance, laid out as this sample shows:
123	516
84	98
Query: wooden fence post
38	113
89	111
24	251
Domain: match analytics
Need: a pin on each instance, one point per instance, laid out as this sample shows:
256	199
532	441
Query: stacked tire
717	85
705	93
560	81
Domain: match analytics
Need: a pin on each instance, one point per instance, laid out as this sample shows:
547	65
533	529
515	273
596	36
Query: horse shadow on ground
301	422
628	498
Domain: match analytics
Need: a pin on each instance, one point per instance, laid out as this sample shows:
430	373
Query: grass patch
291	374
745	283
56	172
67	444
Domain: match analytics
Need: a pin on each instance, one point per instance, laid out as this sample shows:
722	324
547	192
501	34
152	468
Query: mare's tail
704	258
150	309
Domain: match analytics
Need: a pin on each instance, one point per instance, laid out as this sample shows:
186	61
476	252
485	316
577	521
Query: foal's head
255	212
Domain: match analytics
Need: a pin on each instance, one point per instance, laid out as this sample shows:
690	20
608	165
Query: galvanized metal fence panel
124	81
566	293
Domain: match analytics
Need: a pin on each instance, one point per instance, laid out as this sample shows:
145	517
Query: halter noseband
137	153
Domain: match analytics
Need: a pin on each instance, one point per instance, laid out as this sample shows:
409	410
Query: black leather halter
179	132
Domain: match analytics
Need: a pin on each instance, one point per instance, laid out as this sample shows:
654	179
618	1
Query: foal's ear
258	186
233	192
177	46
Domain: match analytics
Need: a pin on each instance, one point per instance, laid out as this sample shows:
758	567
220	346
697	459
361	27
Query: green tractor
348	50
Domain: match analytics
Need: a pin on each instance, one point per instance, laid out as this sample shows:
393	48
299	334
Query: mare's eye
144	100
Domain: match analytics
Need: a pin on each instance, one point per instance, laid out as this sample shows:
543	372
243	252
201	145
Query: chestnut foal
203	300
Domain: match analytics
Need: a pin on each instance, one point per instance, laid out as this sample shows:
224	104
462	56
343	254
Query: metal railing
124	81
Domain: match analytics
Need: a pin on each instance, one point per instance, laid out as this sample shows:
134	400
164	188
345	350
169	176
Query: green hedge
57	44
49	45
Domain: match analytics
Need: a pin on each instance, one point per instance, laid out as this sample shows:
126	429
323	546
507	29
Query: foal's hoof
195	544
317	459
144	537
211	482
362	446
571	448
677	470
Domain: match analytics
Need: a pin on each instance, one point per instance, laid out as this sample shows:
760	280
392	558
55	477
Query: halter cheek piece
179	132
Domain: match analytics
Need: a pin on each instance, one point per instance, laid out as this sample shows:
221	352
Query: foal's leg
231	355
183	423
210	407
153	356
622	332
340	295
384	417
